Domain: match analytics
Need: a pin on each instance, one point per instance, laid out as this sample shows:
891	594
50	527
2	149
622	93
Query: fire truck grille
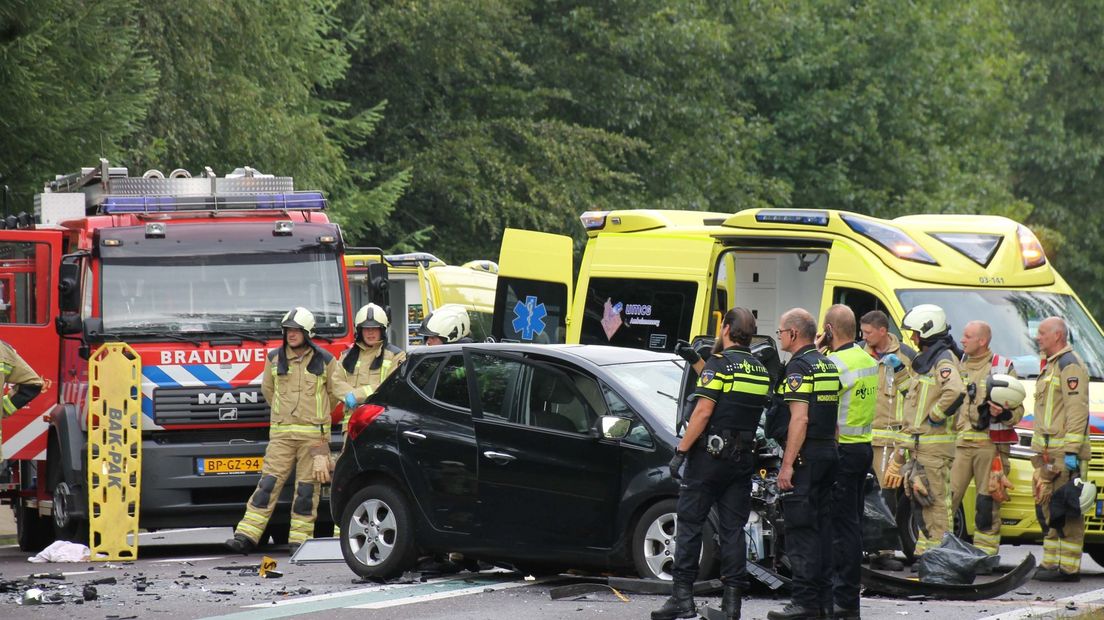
209	405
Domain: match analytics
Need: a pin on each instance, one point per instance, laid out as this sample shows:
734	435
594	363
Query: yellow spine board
114	451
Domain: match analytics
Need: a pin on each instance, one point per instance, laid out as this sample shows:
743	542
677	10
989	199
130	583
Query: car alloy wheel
377	532
654	543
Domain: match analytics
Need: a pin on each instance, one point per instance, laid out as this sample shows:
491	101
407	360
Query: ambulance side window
862	302
638	313
24	296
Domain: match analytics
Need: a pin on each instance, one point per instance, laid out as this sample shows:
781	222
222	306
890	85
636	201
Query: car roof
595	354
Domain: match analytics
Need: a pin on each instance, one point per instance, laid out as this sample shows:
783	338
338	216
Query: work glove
917	485
1040	488
894	362
350	401
320	463
998	482
1072	463
893	478
687	352
676	464
1004	416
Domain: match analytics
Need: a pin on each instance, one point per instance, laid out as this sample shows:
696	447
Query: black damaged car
541	456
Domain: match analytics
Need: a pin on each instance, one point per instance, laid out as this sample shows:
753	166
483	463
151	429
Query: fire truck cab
195	274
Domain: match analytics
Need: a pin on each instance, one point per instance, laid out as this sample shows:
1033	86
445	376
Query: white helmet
1005	390
1088	498
299	318
371	315
927	320
450	323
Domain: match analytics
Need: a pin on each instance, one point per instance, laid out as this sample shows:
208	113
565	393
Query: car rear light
361	418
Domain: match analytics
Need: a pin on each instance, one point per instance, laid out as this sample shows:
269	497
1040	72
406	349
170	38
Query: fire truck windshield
1014	318
247	293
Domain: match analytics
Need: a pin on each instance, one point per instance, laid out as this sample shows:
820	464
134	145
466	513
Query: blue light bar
792	216
297	201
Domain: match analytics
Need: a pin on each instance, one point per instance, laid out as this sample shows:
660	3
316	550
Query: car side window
452	383
495	377
638	434
423	373
550	402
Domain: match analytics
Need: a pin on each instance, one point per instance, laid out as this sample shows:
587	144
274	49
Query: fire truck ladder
114	451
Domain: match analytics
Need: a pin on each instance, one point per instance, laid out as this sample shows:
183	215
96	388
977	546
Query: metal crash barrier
114	451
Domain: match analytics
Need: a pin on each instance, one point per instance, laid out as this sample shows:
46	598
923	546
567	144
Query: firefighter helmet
927	320
371	315
1005	390
1088	498
299	318
450	323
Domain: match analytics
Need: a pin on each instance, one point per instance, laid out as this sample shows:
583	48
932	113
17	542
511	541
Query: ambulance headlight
594	220
1030	249
889	237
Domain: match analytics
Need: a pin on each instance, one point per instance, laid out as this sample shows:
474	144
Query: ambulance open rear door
533	296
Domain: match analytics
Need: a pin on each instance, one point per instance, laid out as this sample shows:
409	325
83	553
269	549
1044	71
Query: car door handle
413	436
499	457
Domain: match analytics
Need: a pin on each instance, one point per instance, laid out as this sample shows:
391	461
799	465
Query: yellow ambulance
648	278
420	282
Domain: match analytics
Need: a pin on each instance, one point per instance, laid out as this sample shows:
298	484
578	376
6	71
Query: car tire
66	526
377	533
1096	552
32	532
908	526
653	543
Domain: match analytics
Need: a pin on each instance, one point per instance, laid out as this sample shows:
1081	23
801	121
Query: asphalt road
186	574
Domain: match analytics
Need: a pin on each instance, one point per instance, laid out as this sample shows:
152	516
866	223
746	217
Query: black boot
793	611
730	603
239	544
680	605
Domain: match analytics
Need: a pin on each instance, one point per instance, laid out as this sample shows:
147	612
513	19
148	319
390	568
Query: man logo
228	398
228	413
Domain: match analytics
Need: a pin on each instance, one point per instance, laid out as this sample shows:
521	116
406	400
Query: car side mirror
614	427
92	331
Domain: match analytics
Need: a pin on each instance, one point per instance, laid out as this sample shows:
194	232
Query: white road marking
1044	607
476	589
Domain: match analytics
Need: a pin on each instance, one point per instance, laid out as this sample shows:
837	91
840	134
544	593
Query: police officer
933	392
975	450
888	413
27	384
811	388
717	450
446	325
371	358
1061	445
300	379
854	424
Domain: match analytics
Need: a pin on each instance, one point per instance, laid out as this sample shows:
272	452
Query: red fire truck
195	273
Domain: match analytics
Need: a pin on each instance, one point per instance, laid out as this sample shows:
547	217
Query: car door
437	442
547	481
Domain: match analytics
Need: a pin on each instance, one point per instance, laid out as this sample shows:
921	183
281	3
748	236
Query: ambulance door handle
499	457
413	436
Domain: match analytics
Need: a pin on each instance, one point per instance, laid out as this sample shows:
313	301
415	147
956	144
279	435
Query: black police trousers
807	511
848	500
726	483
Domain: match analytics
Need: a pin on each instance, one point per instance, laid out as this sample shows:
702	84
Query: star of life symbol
529	318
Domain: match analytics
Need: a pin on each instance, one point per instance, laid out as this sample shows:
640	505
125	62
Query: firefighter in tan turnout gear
933	391
1061	446
371	359
302	384
888	413
982	428
25	381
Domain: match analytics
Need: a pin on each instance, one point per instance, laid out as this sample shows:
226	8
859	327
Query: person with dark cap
718	452
301	383
371	359
811	389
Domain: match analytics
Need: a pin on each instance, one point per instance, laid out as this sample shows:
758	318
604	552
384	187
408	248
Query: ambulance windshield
238	292
1014	317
